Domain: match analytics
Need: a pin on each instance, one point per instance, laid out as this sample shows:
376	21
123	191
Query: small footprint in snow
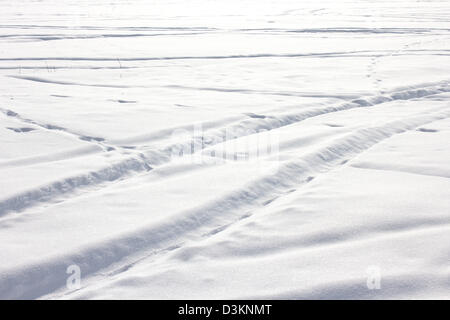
126	101
427	130
256	116
333	125
21	130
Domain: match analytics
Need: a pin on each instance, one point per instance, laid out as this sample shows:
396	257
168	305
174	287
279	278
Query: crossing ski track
145	161
262	192
259	193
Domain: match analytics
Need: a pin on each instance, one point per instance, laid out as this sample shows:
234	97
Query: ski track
331	54
146	160
16	283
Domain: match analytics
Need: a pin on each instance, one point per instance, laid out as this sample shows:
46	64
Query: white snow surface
133	145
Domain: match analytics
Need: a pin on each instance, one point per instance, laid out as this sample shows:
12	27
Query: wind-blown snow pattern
224	149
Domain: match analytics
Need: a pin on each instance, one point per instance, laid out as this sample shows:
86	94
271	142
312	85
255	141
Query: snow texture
224	149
